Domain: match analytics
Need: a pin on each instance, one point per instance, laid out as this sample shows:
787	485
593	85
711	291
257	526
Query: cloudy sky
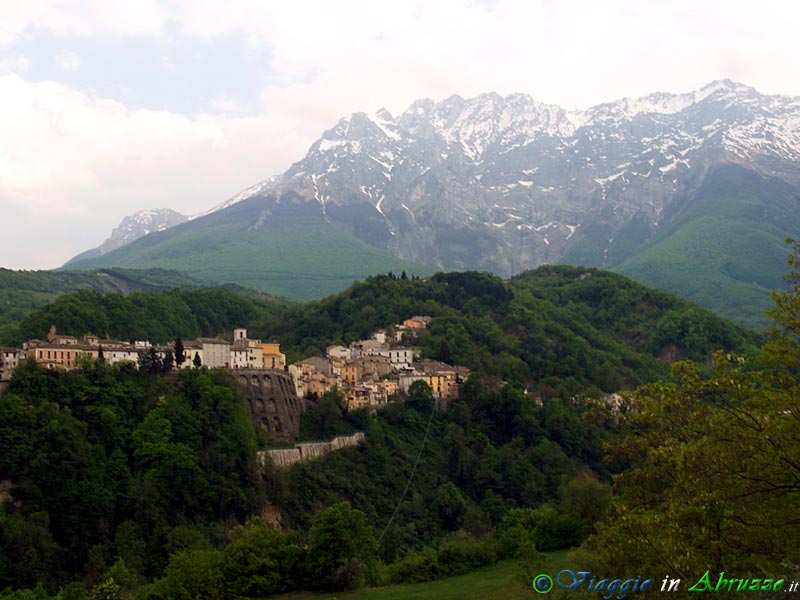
108	107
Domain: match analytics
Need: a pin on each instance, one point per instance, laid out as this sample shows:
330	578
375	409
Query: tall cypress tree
180	353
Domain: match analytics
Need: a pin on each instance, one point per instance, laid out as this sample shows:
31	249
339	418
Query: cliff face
505	184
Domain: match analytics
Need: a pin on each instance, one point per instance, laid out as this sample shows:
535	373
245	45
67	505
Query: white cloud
69	61
15	64
80	18
76	165
224	104
84	161
573	52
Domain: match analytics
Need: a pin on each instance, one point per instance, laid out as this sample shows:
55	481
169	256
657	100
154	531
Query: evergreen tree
196	360
180	352
153	363
168	363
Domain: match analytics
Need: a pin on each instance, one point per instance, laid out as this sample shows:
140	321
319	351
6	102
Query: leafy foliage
712	465
260	561
477	464
110	461
159	470
21	292
341	546
160	317
568	327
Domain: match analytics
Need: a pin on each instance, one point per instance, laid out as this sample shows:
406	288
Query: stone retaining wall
286	457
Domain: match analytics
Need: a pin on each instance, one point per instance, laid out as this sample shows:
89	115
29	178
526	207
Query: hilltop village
368	373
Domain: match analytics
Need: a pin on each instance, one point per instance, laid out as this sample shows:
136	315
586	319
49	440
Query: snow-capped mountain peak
139	224
253	190
499	164
528	178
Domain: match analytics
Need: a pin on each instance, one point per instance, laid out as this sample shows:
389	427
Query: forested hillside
104	463
146	486
710	468
21	292
157	316
569	326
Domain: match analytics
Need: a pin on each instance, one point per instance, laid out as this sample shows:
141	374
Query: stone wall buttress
273	402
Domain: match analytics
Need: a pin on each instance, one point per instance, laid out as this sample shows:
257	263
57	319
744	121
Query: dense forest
709	466
121	484
114	473
160	317
22	292
565	327
569	327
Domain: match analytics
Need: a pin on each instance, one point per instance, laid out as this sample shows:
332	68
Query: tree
196	361
180	352
712	466
260	561
444	351
420	396
106	590
168	362
587	501
341	548
150	362
783	352
194	573
451	506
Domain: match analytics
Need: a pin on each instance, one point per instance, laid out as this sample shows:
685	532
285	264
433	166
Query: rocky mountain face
135	226
140	224
692	193
505	184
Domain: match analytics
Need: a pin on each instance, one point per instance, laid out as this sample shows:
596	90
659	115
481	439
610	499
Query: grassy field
506	580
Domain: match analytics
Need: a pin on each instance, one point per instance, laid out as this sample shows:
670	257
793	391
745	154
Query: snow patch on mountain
140	224
513	171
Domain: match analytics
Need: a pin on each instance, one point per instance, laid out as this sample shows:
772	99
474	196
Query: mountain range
692	193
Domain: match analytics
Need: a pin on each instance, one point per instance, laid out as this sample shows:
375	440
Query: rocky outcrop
286	457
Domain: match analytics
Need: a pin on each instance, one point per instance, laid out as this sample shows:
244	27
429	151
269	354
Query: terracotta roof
212	341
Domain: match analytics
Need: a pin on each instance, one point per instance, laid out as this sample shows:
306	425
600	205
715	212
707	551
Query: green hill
574	326
723	247
726	250
285	250
23	291
566	326
159	317
109	461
